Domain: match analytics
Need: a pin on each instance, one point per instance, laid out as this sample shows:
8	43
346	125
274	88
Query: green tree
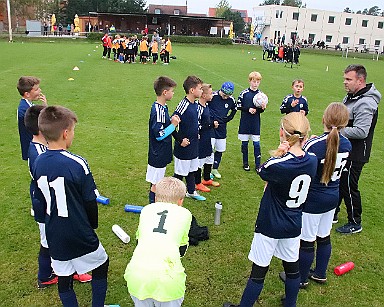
295	3
235	17
221	7
374	10
347	10
270	2
365	12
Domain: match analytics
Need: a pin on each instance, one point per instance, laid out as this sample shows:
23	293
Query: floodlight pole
9	21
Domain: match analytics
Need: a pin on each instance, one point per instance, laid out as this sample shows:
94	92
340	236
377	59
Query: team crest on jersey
226	105
301	105
161	131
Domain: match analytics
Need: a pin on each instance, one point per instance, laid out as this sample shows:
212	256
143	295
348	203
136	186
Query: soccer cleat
216	173
303	285
228	304
196	196
53	279
82	277
349	228
201	187
246	167
210	182
335	219
317	278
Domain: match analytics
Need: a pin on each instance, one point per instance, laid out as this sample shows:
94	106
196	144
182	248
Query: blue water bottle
102	200
133	208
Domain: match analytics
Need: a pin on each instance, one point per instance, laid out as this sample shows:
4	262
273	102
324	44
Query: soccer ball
259	99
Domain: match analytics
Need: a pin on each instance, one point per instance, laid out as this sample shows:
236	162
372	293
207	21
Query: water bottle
123	236
133	208
102	200
218	208
344	268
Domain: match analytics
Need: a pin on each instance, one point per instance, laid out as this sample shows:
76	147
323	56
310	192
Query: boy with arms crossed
155	275
161	126
67	196
222	102
186	150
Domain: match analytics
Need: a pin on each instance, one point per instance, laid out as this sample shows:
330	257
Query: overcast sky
201	6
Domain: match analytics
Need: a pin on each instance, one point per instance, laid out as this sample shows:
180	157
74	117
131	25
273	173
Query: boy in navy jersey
221	104
249	127
288	174
332	150
186	150
160	129
67	195
295	102
206	126
37	146
29	89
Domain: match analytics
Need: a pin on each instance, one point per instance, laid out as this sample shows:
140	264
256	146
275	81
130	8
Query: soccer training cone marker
76	68
70	79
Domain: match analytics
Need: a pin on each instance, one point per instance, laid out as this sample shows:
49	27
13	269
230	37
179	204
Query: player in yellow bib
155	273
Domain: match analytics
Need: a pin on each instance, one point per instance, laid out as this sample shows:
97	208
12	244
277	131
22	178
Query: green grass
112	102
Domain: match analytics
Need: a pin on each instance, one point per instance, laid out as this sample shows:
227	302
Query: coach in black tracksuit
362	101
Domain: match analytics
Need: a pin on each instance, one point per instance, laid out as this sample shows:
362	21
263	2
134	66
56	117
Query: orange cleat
201	187
211	183
82	277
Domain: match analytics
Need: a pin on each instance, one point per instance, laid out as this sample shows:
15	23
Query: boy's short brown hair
25	84
297	81
54	120
191	82
163	83
31	118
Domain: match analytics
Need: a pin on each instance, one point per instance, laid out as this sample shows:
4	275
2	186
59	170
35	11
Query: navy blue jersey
65	184
205	131
288	178
160	152
188	128
323	198
35	149
25	135
287	108
219	109
249	123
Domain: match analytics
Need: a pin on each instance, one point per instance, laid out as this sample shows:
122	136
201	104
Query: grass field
112	102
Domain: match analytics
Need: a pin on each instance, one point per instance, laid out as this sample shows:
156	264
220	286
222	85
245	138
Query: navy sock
305	262
207	172
251	293
257	153
244	151
197	175
217	159
151	197
323	254
44	261
68	298
99	291
190	180
291	291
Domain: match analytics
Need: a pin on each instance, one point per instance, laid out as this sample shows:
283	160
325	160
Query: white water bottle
123	236
218	208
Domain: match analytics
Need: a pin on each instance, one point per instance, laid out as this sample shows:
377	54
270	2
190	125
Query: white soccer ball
259	99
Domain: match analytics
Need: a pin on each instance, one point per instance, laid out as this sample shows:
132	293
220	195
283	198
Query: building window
281	14
380	24
176	12
277	13
295	16
364	23
157	11
361	41
377	42
314	17
348	21
345	40
328	38
331	19
311	38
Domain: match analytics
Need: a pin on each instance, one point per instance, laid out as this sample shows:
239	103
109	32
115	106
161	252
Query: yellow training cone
76	68
70	79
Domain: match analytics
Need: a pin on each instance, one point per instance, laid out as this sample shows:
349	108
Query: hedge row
96	36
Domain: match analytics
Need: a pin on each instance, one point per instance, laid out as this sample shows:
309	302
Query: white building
349	29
